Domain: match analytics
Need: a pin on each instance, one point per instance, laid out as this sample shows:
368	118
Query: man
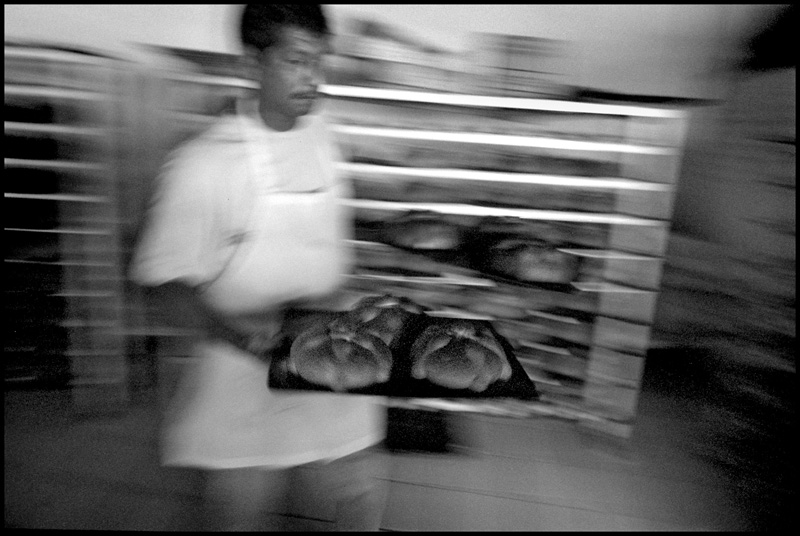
244	221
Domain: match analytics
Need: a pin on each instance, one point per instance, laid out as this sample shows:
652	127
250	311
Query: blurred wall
665	50
113	26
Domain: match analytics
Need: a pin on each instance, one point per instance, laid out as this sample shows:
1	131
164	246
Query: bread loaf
340	356
531	261
459	355
384	317
423	231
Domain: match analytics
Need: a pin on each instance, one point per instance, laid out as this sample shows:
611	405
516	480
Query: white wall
647	49
639	49
114	26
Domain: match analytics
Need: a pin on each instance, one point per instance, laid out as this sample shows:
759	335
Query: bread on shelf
531	261
424	231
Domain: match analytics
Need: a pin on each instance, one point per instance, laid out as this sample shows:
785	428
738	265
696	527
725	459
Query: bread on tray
459	355
383	316
340	356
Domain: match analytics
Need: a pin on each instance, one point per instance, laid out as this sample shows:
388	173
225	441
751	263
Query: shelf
82	352
481	101
49	92
545	348
587	253
90	232
607	254
503	177
63	263
54	165
609	288
53	55
21	379
94	324
498	407
448	99
94	381
553	317
452	280
452	312
479	211
212	80
157	331
85	294
56	96
59	130
504	140
60	197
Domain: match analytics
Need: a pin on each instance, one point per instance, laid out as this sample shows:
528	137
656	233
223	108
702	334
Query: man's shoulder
222	136
216	153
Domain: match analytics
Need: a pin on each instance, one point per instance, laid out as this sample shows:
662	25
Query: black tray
565	288
400	383
471	256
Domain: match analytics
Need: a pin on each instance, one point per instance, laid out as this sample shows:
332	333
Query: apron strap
253	171
256	154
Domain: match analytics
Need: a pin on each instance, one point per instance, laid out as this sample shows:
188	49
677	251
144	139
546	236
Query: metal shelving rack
392	139
611	307
61	132
168	99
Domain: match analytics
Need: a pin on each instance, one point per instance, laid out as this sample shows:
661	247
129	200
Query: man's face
290	73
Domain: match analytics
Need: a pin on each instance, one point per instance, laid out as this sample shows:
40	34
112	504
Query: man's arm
185	308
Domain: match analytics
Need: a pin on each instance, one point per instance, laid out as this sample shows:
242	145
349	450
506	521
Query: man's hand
257	334
262	344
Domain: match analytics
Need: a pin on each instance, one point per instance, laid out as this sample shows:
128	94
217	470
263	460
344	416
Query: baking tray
472	257
401	384
565	288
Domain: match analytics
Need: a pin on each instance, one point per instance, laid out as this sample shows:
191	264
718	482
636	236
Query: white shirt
213	222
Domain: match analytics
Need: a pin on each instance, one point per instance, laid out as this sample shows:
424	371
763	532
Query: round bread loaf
424	232
459	355
383	316
340	357
530	261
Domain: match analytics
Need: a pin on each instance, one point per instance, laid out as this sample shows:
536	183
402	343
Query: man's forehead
300	39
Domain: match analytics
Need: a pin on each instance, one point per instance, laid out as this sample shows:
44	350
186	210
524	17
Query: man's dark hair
261	23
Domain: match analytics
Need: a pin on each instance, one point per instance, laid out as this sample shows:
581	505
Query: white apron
223	415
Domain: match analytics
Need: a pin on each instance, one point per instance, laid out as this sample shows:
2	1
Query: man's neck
276	121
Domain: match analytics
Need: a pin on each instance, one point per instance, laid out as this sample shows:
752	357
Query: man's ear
250	59
327	46
251	63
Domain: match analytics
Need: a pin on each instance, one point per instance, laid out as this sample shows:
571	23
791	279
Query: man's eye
297	61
